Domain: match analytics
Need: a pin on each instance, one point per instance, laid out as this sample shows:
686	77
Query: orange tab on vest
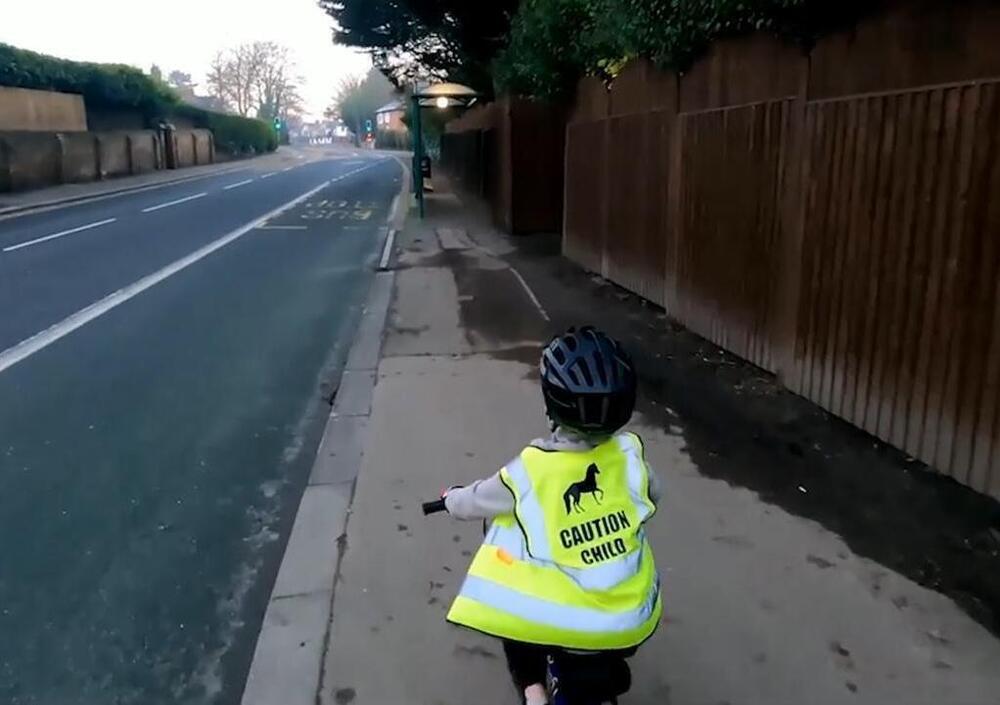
505	557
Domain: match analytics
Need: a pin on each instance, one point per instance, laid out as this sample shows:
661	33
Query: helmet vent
599	364
584	368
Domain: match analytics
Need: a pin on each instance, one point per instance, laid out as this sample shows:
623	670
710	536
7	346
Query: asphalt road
164	375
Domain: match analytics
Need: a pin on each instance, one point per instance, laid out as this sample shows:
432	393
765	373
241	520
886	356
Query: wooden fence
832	217
485	147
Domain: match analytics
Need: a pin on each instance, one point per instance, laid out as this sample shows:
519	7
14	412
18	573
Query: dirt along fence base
827	216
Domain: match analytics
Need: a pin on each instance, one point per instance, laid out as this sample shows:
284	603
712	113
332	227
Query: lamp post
441	96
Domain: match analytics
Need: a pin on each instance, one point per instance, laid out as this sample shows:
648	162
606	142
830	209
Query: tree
233	77
277	87
156	73
358	98
256	78
419	39
554	42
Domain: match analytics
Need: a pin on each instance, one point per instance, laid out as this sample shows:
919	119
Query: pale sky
184	35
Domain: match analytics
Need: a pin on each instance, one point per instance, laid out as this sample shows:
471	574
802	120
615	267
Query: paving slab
288	651
310	561
354	394
339	457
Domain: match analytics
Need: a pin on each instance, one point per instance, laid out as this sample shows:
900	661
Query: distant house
205	102
390	117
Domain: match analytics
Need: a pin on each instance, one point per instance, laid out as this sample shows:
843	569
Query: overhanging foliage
554	42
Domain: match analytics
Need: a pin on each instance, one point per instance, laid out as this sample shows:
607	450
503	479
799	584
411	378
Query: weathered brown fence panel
538	131
833	219
656	213
729	225
585	210
482	149
896	325
626	240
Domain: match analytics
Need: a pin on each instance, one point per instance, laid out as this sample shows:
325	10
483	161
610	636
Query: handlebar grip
434	507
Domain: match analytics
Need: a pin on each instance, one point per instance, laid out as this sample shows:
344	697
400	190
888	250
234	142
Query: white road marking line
392	208
26	348
282	227
237	184
387	250
360	169
47	207
531	295
287	168
269	174
64	233
174	203
527	289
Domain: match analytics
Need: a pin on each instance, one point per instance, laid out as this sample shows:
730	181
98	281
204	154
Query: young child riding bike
565	564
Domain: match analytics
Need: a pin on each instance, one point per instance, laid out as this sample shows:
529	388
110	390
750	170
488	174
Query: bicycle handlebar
434	507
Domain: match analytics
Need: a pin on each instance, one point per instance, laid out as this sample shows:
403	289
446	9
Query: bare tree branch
256	78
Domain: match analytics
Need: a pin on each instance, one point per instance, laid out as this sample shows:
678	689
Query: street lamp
440	96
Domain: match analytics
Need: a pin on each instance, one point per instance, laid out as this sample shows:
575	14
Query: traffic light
277	124
368	125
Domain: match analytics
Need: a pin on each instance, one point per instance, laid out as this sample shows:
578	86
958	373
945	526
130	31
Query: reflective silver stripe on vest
600	577
529	511
638	483
606	576
509	539
552	614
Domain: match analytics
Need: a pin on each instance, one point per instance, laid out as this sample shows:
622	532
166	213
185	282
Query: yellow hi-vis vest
571	567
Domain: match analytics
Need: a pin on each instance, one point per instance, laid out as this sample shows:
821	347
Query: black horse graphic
587	486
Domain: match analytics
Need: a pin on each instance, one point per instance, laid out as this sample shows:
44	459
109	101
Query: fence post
99	174
5	175
566	180
169	147
507	165
128	154
794	172
675	224
605	194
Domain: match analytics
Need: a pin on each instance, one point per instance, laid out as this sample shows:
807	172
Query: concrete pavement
762	606
154	444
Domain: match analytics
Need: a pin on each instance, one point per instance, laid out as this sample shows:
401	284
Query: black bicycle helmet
588	381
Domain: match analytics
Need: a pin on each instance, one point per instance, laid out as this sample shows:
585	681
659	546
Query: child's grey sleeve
483	499
655	488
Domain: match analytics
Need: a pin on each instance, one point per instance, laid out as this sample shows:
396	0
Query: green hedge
117	87
102	85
